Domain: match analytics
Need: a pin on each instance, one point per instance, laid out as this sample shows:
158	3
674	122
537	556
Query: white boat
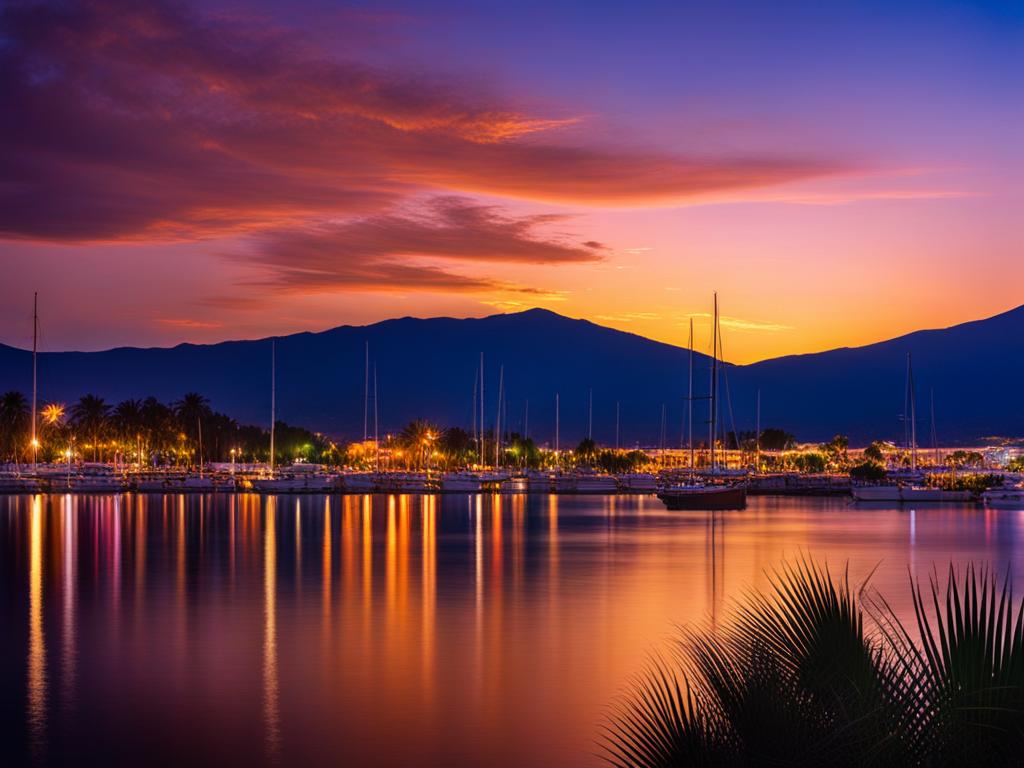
90	484
587	482
360	482
538	481
916	493
515	485
1004	498
461	482
295	484
638	482
406	482
13	483
877	493
563	483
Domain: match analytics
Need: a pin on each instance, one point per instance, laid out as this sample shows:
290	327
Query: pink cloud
401	250
150	122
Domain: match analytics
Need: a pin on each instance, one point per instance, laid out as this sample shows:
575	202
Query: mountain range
428	368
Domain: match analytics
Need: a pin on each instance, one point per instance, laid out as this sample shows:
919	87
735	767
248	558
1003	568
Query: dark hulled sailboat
706	496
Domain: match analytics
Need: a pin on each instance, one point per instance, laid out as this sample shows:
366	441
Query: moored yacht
360	482
696	496
693	495
461	482
908	494
638	482
1004	498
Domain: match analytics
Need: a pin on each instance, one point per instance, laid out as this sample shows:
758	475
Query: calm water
387	631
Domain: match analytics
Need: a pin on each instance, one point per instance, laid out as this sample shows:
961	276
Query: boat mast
480	446
616	425
556	423
35	346
273	398
590	416
497	420
366	394
689	405
714	380
526	422
376	423
757	435
935	435
913	415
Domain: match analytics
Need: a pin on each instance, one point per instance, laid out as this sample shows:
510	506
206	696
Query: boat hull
708	498
1004	500
908	495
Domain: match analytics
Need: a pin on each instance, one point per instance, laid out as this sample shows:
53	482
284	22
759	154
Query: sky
840	173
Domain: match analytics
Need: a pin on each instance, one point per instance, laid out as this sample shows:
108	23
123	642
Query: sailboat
910	493
694	495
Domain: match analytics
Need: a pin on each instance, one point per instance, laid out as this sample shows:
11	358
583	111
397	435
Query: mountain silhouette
427	368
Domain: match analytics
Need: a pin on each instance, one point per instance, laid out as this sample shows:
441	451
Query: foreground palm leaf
796	679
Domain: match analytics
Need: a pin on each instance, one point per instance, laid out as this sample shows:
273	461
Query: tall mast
935	434
590	416
526	422
376	423
556	422
689	403
273	398
35	345
497	420
661	438
476	383
366	394
757	434
616	425
913	415
714	380
481	446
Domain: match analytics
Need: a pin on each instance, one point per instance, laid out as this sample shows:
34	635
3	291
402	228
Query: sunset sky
840	173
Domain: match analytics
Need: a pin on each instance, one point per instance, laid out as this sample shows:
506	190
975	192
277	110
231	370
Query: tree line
182	433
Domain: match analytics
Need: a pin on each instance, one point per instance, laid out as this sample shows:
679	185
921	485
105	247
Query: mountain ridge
428	366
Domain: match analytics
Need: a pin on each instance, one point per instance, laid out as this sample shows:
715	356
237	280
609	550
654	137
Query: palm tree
158	424
90	416
417	438
802	677
127	421
456	444
191	410
14	424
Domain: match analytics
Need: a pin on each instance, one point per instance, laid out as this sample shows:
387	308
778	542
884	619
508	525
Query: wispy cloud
179	322
630	317
409	250
741	324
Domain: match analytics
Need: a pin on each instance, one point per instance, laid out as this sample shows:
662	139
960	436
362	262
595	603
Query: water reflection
36	638
68	541
482	630
271	714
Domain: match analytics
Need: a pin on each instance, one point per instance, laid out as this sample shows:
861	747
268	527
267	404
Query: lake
391	630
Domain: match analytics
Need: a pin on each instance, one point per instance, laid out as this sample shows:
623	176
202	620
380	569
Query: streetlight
233	452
